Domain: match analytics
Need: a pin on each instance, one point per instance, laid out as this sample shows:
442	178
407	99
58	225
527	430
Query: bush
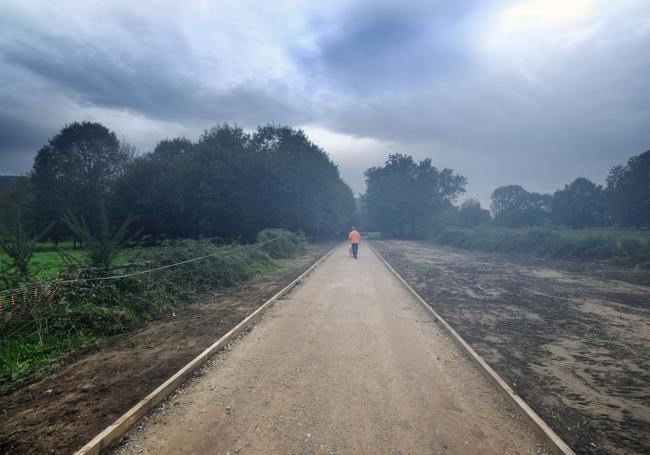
39	326
635	249
283	244
589	248
546	243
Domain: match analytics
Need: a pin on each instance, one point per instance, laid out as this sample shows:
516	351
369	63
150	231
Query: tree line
408	198
229	184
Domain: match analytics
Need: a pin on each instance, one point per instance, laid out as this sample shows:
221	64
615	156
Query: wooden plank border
118	428
554	443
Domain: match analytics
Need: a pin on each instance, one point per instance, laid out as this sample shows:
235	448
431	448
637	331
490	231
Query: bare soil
573	339
90	389
348	363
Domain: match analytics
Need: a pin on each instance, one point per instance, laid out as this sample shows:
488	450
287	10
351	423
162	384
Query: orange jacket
354	236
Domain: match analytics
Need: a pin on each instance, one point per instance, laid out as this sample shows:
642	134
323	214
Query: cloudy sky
534	92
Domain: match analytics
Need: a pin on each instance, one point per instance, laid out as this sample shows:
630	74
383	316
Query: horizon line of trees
229	184
408	198
623	201
232	184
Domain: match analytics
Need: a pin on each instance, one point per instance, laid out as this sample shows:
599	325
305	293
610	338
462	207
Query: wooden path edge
553	442
118	428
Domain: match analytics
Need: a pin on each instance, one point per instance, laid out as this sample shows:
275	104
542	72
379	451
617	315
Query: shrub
283	243
635	249
20	247
36	325
105	245
546	243
589	248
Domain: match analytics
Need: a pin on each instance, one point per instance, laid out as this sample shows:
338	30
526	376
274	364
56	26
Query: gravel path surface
349	362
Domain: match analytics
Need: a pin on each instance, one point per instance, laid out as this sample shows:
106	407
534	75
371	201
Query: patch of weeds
426	268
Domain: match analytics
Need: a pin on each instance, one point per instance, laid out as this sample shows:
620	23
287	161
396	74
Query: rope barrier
42	284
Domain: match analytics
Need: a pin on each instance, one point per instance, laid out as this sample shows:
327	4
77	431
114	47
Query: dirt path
573	339
91	389
348	363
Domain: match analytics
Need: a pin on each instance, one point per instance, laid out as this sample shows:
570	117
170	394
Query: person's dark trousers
355	249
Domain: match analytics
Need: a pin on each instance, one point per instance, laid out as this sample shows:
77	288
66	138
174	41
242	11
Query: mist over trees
628	191
403	196
229	184
471	213
513	206
232	183
625	201
579	204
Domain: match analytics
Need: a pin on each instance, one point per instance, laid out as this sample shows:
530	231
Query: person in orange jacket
354	237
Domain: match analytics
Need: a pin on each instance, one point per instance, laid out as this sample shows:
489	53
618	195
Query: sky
529	92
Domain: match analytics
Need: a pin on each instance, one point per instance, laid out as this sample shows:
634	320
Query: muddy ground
573	339
90	389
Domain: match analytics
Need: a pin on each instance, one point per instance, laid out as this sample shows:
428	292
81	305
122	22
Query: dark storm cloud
150	85
379	46
19	139
16	133
537	95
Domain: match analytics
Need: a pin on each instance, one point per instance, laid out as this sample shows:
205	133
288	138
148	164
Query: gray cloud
540	107
19	139
149	86
383	46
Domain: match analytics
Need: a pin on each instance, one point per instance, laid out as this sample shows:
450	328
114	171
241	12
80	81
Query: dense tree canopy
75	171
472	214
513	206
579	204
402	196
15	196
234	184
628	192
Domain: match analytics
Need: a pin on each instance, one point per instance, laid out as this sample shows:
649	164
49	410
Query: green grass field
47	260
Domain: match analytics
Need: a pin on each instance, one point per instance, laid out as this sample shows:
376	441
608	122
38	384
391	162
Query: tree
233	184
402	196
305	186
20	246
628	192
513	206
155	186
579	204
472	214
15	198
105	245
75	171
